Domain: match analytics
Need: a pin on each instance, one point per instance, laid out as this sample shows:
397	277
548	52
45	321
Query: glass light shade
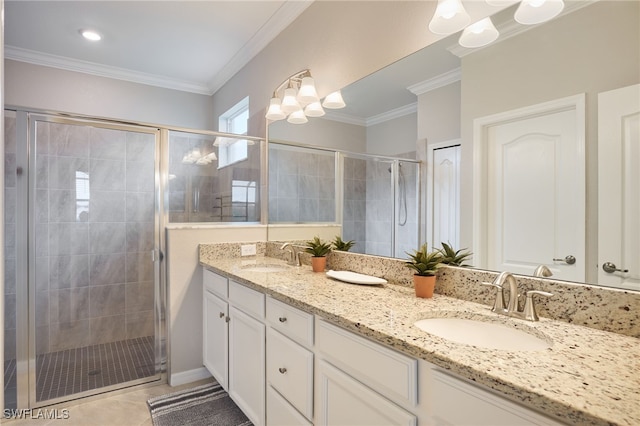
531	12
211	156
297	117
307	93
334	101
314	110
274	113
220	141
479	34
450	17
289	102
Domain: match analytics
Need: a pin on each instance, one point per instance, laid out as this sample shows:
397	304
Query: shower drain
93	373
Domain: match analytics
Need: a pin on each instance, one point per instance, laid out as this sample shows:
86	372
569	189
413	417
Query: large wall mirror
451	108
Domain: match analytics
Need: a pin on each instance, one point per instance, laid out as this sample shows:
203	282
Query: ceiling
194	46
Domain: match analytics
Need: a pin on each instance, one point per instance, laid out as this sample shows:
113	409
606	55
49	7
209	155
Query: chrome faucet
293	255
512	309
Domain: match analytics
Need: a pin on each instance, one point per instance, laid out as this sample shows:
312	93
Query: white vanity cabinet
360	382
234	342
283	366
215	344
247	351
481	407
290	362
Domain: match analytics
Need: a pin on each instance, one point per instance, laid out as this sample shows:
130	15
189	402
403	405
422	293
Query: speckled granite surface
588	376
606	309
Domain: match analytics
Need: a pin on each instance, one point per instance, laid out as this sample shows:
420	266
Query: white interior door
619	187
535	194
444	199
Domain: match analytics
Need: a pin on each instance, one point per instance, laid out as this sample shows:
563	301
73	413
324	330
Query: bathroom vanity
296	347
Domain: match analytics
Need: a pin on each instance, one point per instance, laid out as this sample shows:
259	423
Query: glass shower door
93	232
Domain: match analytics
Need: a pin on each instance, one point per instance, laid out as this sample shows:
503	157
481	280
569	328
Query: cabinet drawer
345	401
215	283
248	300
390	373
292	322
290	371
281	413
481	407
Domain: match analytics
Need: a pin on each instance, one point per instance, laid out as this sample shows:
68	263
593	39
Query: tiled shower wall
355	203
94	214
301	185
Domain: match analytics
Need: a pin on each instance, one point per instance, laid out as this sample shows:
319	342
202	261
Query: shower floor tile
77	370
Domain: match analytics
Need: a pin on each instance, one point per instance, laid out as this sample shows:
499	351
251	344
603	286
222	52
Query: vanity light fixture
195	157
296	99
90	35
450	17
531	12
334	101
479	34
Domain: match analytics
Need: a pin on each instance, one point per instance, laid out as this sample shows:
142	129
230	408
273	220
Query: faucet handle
498	303
529	307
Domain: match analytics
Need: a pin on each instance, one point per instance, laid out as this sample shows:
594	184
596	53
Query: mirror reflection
448	97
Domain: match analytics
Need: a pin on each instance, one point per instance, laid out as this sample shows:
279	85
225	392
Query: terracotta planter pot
424	285
318	264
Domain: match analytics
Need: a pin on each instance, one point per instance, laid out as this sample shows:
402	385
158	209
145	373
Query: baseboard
189	376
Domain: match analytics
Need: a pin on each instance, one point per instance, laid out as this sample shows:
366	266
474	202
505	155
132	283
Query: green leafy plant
453	257
317	247
341	245
423	262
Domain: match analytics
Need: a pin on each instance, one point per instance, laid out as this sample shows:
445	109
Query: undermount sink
265	267
483	334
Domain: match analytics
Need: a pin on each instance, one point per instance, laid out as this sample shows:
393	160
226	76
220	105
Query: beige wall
393	137
439	114
340	42
185	292
601	52
46	88
320	132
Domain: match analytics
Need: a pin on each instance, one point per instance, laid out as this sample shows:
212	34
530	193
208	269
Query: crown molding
281	19
392	114
512	29
436	82
86	67
344	118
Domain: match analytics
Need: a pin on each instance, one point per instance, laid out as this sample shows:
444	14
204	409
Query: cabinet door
342	400
281	413
246	364
215	338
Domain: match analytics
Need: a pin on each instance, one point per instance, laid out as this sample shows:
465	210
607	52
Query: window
234	121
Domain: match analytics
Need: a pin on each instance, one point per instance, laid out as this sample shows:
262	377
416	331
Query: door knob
569	260
610	268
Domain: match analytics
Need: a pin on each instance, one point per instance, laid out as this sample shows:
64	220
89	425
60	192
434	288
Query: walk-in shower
82	282
375	198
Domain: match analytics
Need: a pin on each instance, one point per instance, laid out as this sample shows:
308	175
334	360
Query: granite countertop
587	376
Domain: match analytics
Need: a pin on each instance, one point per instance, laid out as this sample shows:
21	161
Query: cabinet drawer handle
282	370
221	314
282	319
227	319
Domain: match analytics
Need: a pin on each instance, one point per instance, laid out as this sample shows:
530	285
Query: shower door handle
157	256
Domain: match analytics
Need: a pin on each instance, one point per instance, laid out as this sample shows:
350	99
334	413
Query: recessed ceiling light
91	35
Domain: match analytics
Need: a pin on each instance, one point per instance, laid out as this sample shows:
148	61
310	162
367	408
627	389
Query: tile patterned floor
72	371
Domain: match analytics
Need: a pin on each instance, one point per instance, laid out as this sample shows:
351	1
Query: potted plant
453	257
425	264
341	245
318	250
